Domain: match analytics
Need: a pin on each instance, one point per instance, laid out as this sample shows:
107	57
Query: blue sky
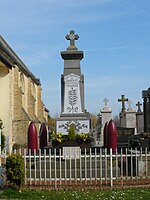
114	35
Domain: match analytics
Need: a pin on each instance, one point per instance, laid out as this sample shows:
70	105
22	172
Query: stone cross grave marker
123	100
106	102
139	106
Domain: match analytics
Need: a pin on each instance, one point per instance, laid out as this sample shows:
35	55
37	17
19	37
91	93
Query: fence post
111	169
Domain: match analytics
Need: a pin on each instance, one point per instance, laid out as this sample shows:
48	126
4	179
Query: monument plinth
72	91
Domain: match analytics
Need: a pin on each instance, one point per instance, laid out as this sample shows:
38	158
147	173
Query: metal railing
94	167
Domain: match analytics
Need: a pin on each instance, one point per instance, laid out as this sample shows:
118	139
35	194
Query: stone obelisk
72	91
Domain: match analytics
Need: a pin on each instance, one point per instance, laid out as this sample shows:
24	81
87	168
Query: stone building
20	97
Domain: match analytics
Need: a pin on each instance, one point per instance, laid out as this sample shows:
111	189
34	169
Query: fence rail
96	167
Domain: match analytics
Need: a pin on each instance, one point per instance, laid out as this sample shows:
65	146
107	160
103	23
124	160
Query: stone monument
139	118
106	116
146	109
72	91
127	126
127	116
130	116
122	113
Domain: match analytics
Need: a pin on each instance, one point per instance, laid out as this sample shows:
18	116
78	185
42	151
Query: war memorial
76	154
72	91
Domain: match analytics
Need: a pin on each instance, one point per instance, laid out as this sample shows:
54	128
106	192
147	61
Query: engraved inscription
72	102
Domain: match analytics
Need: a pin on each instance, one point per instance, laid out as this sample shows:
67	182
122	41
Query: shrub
72	134
15	169
84	138
2	136
58	137
2	141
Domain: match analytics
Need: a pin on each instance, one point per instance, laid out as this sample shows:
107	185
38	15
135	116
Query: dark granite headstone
146	109
123	136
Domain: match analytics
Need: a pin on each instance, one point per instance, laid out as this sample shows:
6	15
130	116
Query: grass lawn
126	194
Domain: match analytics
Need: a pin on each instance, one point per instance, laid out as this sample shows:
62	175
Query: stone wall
40	105
25	105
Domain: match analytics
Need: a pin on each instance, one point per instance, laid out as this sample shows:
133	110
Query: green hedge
15	169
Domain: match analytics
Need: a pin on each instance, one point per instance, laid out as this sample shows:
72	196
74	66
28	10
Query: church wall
30	100
17	98
28	107
46	115
4	98
20	119
11	134
40	106
24	107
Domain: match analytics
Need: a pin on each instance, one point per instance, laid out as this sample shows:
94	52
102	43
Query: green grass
117	194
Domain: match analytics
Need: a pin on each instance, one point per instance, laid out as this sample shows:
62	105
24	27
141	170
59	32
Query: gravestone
127	116
122	113
72	91
146	109
127	126
106	116
123	136
123	100
130	116
139	118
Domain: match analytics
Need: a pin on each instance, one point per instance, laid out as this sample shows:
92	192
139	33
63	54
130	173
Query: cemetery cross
123	99
105	101
72	37
139	106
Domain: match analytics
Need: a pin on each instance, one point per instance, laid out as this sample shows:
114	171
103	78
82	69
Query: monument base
81	124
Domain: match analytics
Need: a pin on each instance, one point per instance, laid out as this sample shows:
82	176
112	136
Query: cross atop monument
105	101
72	37
139	106
123	99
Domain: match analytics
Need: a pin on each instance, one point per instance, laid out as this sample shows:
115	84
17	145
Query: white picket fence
96	167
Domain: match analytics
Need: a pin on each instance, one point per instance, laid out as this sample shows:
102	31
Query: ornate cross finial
123	102
105	101
72	37
139	106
